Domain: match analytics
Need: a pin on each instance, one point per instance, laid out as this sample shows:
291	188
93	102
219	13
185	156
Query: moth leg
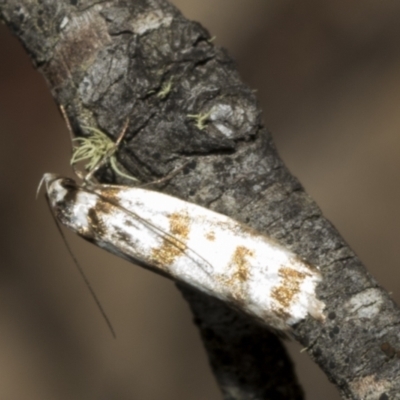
168	177
71	136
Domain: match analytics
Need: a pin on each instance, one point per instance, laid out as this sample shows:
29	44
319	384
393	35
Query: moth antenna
67	122
82	273
40	186
123	132
167	177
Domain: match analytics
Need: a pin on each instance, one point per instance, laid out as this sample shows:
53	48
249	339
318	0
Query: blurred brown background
328	79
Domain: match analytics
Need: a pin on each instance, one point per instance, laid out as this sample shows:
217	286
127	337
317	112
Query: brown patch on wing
110	193
210	236
290	286
95	216
104	207
241	267
123	237
174	244
179	225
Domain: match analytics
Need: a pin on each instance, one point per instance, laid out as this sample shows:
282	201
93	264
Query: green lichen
200	119
96	149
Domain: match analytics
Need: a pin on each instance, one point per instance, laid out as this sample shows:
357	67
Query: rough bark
106	61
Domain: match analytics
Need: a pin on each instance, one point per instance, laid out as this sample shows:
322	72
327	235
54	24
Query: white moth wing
127	232
219	255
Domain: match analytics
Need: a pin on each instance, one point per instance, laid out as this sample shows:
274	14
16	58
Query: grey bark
105	61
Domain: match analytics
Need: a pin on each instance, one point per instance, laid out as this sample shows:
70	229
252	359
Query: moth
183	241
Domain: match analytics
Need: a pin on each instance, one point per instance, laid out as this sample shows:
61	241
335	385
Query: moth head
70	203
60	191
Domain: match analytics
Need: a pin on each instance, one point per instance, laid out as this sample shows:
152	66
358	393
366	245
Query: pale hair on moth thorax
205	249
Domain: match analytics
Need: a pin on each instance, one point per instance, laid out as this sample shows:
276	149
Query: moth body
184	241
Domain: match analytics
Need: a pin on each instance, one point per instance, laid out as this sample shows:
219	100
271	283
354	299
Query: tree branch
106	61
